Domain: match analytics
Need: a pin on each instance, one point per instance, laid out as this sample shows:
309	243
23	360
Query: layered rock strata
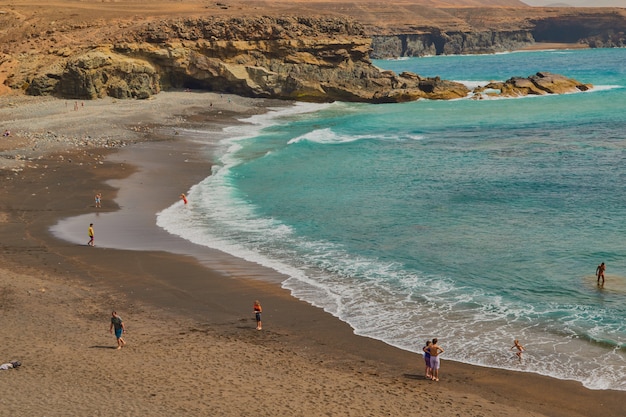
295	58
308	59
437	42
480	30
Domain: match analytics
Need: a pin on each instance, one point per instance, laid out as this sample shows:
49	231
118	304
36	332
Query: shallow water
474	221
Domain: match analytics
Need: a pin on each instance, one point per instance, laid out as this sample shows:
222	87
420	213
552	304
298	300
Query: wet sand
192	344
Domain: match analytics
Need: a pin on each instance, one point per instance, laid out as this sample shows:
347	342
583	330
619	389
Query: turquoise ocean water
474	221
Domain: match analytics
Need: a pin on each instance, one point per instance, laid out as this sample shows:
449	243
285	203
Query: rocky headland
473	30
318	54
296	58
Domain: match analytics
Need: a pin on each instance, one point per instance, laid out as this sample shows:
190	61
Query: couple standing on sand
432	351
431	357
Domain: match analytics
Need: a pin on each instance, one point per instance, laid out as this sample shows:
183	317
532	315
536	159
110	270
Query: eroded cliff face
499	30
307	59
438	42
304	58
603	29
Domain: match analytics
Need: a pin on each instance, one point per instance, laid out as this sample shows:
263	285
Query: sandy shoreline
546	46
193	348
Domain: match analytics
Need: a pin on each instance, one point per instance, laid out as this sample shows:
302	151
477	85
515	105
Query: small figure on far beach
118	324
520	349
435	350
184	198
426	350
600	273
98	199
91	235
6	133
257	313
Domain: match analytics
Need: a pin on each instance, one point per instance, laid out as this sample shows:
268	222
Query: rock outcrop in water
538	84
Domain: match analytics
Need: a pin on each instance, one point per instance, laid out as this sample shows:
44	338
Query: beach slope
192	345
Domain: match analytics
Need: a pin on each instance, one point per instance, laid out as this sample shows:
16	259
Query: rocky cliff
437	42
309	59
479	30
53	51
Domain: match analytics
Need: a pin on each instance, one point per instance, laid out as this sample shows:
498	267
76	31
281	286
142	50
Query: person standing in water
184	198
600	273
520	349
98	199
257	310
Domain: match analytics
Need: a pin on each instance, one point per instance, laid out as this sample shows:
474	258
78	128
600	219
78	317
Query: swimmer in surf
520	349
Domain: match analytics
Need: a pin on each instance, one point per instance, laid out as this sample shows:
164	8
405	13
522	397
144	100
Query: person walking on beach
257	310
98	199
600	273
91	235
520	349
426	350
117	324
184	198
435	350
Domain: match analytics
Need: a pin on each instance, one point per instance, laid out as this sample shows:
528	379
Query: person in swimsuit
435	350
600	273
184	198
257	314
426	350
520	349
98	199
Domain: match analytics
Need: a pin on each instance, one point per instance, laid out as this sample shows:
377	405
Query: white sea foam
402	305
327	136
472	84
326	276
606	87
